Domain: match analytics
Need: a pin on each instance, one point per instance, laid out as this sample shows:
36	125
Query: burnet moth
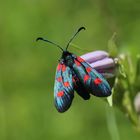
75	74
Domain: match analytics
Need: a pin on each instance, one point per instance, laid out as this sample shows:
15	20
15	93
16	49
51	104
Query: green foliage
112	48
126	84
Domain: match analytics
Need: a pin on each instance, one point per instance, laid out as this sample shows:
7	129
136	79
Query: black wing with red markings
91	80
63	88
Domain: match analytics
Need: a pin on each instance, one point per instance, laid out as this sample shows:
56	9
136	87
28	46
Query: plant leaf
112	47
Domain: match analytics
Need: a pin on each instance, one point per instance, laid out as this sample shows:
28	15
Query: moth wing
63	88
94	82
79	88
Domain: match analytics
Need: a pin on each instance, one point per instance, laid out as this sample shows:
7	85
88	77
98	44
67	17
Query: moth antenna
81	28
40	38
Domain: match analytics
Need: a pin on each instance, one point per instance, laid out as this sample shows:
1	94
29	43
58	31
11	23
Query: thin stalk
111	124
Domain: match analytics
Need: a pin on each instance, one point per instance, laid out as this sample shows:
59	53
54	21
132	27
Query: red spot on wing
66	84
63	68
59	67
59	79
73	80
80	59
60	93
86	77
76	79
88	69
77	63
97	81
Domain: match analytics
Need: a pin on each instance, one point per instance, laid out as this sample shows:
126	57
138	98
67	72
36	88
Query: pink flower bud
94	56
100	61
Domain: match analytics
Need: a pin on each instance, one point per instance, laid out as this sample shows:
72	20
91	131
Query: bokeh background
27	68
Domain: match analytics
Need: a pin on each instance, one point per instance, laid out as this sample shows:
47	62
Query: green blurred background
27	68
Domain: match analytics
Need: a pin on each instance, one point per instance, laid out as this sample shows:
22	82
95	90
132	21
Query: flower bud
100	61
94	56
137	103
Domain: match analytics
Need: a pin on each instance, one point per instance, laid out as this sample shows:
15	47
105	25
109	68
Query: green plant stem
111	124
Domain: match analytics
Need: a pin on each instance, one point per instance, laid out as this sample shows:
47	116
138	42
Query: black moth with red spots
74	74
